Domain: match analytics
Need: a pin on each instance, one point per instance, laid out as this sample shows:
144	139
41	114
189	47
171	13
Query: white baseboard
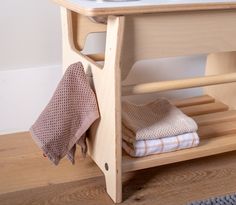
23	95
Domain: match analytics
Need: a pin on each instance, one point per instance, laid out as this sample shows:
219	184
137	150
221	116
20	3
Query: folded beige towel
143	148
154	120
70	112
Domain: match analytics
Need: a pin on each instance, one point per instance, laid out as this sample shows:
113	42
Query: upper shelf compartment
104	8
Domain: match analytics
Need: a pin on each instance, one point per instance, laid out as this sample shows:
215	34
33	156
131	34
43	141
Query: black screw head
106	167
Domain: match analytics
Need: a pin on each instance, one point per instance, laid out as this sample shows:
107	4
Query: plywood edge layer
144	9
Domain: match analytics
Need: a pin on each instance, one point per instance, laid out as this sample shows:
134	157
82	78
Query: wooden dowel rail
178	84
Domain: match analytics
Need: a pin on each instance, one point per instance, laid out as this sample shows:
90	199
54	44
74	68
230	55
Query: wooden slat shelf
217	131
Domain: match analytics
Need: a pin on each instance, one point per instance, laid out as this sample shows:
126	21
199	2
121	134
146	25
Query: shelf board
217	131
207	147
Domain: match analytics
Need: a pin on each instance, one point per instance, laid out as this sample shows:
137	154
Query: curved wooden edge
81	27
144	9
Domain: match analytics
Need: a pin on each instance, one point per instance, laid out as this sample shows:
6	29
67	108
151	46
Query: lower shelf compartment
217	132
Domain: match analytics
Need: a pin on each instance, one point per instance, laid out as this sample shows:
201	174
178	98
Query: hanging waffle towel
143	148
154	120
64	121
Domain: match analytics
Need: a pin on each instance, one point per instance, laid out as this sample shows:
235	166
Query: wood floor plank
174	184
24	170
17	145
22	165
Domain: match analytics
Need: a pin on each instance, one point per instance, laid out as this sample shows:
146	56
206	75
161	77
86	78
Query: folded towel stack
156	127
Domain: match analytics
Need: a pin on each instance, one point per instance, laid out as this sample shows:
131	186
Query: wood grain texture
70	54
82	26
218	63
216	136
19	154
174	184
213	118
105	141
149	36
204	108
23	165
197	100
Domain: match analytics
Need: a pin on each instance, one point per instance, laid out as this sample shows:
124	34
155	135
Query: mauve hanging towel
68	115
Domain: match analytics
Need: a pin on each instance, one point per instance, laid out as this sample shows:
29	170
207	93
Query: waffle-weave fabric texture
154	120
68	115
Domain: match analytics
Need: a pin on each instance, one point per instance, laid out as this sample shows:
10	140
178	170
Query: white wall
29	34
30	63
23	94
30	60
167	69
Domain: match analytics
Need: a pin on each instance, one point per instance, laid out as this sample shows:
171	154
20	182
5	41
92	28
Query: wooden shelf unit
217	132
141	33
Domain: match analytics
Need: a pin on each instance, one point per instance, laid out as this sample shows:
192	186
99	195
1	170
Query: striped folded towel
143	148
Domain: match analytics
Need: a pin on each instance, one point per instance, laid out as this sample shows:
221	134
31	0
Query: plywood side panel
219	63
105	140
177	34
82	26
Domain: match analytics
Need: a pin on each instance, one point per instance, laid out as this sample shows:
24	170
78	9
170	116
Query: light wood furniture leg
104	142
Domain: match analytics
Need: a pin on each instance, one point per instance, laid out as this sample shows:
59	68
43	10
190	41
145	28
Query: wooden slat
204	108
213	118
178	84
193	101
214	138
220	129
22	165
208	146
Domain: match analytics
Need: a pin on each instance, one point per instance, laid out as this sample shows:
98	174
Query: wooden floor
28	178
